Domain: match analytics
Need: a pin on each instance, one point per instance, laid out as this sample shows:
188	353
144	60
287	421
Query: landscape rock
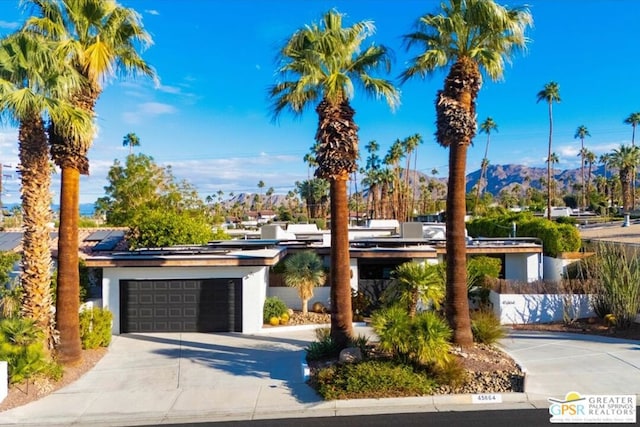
350	355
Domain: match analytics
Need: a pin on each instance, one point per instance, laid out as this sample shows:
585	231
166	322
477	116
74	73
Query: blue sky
210	120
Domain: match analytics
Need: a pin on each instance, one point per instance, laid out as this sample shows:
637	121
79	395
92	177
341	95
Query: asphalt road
506	418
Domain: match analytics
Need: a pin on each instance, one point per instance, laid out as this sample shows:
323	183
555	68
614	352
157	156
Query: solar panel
10	240
97	236
110	241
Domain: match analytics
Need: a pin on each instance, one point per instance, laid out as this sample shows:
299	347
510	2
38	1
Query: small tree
304	271
414	283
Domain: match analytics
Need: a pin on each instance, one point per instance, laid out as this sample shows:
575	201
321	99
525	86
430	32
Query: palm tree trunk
341	311
549	164
68	295
36	198
457	303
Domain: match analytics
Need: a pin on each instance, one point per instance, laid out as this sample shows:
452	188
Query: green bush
556	238
430	335
486	327
273	307
95	327
371	379
21	346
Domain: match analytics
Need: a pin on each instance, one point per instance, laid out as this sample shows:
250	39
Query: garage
190	305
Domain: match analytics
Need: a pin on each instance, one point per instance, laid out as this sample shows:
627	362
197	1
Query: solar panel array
109	239
10	240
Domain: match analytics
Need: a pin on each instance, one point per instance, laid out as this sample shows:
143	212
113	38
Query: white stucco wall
539	308
523	267
254	284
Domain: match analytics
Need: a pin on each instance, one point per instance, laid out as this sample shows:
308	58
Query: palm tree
550	93
590	159
605	159
322	62
633	120
487	126
33	83
100	37
392	159
131	140
415	283
304	271
551	185
582	133
410	145
469	36
626	159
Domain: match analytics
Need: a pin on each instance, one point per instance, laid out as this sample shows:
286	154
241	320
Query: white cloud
9	25
169	89
147	110
152	12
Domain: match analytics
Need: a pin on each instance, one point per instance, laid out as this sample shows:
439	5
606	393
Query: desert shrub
616	269
430	339
322	349
360	305
451	373
371	379
430	335
392	327
95	327
486	327
273	307
22	347
482	272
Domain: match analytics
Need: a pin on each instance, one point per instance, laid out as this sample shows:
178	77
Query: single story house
221	287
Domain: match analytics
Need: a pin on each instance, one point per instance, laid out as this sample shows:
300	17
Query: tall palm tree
605	159
469	36
590	159
633	120
551	185
392	159
322	62
100	38
304	271
370	180
487	127
410	145
582	132
33	83
626	159
550	93
131	140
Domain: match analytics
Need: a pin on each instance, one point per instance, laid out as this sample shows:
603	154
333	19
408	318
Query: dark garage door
205	305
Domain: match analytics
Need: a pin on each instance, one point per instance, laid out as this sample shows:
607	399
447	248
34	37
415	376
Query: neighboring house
222	286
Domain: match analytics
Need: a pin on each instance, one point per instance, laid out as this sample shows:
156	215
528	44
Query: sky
209	115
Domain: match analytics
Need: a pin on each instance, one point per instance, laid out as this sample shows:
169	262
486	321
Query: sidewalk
171	378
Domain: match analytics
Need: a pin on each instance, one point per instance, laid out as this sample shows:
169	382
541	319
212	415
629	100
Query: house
222	286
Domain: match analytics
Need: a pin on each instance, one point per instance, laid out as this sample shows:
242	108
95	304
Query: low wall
539	308
290	296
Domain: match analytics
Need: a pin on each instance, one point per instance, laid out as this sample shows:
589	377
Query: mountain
500	177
